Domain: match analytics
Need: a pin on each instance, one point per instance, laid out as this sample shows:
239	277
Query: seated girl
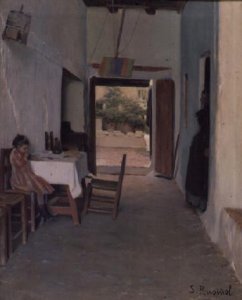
23	178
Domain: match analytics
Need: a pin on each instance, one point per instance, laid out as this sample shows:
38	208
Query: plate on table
46	155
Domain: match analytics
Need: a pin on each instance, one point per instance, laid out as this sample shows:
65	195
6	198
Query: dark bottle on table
57	148
47	141
51	140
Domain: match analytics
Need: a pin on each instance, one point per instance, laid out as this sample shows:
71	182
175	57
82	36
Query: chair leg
10	240
84	188
3	241
115	211
87	198
32	212
24	222
74	208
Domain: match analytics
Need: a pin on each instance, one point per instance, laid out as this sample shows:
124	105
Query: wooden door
164	157
92	128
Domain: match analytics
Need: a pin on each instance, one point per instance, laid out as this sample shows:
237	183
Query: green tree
117	108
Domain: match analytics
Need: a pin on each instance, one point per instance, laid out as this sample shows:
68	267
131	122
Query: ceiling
149	5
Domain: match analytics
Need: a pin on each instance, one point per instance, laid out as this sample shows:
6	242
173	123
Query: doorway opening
203	136
122	125
206	107
204	78
197	179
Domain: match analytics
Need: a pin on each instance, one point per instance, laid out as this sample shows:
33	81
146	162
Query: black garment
197	170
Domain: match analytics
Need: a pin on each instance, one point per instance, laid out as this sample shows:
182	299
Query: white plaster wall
217	27
149	39
74	105
31	76
226	178
152	40
30	95
198	36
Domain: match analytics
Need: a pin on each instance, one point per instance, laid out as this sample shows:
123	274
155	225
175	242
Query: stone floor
136	157
156	249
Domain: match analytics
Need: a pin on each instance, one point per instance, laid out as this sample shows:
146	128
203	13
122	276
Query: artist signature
205	291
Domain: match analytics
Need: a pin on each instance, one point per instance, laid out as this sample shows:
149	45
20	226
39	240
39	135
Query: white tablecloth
62	169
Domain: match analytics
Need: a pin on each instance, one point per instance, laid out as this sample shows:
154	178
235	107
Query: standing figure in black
197	170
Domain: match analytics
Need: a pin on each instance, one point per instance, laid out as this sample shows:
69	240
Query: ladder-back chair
3	236
5	187
11	202
103	196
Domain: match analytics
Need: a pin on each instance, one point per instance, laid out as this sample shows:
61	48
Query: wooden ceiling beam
145	4
101	81
139	68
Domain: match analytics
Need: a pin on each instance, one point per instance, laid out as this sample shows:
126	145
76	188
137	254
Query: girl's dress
24	179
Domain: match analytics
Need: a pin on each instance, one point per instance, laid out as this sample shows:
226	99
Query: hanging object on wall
17	26
116	67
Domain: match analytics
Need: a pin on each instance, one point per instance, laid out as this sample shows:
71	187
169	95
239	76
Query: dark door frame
101	81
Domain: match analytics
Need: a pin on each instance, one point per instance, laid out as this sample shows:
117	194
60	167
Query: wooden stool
3	237
10	201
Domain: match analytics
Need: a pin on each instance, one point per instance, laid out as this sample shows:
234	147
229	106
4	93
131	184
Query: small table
64	169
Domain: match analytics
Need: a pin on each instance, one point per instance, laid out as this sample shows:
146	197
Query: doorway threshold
115	170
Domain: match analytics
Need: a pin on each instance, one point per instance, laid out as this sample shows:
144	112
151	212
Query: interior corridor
156	249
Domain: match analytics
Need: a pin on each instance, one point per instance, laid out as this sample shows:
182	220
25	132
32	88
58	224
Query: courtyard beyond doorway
121	127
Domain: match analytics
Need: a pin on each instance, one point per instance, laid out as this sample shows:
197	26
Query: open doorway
122	125
205	105
204	78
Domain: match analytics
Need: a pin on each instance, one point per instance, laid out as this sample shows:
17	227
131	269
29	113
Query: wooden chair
10	202
5	187
103	196
3	236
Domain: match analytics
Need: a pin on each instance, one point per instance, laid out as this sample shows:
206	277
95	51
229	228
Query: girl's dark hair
20	140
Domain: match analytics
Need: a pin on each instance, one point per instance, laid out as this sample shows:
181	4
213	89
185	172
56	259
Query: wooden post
120	32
